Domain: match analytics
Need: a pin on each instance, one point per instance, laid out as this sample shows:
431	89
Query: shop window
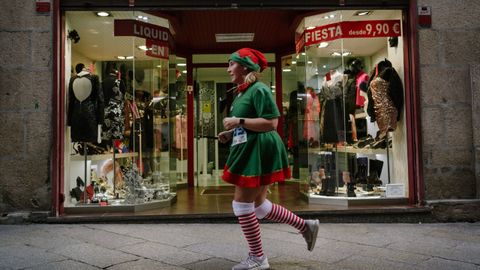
125	106
346	121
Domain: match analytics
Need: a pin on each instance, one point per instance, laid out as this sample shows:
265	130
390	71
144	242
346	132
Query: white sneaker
253	262
310	234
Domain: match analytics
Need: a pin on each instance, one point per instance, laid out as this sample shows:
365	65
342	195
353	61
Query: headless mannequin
82	89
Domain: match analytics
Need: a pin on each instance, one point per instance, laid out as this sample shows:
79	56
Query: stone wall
449	86
25	106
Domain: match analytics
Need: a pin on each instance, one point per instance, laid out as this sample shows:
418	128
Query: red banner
350	29
141	29
157	49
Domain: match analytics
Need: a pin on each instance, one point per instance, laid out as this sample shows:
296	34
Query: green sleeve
263	102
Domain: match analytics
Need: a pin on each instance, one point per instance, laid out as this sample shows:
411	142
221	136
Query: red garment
360	78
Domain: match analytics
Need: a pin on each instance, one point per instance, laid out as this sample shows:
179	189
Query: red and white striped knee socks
245	213
280	214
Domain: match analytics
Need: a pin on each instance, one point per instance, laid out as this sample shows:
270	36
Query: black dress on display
114	125
332	123
85	107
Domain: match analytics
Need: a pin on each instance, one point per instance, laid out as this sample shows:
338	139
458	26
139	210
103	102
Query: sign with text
42	6
157	49
141	29
349	29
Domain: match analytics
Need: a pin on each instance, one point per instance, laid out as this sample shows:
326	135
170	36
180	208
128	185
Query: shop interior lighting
341	54
234	37
184	71
102	14
159	66
141	17
323	45
294	62
286	69
143	48
129	57
309	62
121	57
363	13
181	64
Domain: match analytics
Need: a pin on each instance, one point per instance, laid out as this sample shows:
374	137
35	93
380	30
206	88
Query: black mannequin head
79	67
356	66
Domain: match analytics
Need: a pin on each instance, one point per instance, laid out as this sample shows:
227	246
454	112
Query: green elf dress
261	159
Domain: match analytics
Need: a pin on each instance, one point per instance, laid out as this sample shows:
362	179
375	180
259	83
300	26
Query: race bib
239	136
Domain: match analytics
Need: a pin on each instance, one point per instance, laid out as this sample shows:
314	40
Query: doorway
211	85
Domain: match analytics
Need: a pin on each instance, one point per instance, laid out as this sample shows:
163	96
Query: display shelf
103	156
349	149
343	200
115	206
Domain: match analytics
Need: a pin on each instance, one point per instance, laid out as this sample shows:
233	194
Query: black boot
331	186
351	190
323	191
361	174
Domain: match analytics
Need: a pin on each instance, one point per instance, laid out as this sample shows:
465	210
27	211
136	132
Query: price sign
351	29
371	29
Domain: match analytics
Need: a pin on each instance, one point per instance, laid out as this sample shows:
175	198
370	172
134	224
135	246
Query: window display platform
116	206
354	201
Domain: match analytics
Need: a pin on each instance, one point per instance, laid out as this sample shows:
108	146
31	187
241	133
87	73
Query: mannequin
361	81
386	102
85	106
311	128
331	119
114	90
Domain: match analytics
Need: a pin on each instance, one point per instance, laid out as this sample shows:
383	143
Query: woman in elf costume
257	157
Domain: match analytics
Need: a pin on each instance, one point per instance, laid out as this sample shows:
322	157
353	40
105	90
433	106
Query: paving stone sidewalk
220	246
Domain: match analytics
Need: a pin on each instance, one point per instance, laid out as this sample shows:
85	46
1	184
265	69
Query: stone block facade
449	59
449	91
26	80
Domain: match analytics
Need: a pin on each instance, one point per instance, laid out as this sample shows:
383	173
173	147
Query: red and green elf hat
250	58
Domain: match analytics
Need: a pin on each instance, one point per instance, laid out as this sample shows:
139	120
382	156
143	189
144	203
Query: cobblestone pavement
220	246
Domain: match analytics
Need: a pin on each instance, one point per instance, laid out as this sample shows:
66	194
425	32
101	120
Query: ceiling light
184	71
286	70
294	62
234	37
143	48
341	54
129	57
326	17
332	16
102	14
324	66
323	45
121	57
181	64
363	13
303	53
309	62
159	66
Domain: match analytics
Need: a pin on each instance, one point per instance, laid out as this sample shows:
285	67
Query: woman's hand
225	136
230	123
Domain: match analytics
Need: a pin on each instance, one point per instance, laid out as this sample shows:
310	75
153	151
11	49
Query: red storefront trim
57	112
413	113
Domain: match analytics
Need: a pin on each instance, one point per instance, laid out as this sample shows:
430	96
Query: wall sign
424	16
42	6
157	49
141	29
349	29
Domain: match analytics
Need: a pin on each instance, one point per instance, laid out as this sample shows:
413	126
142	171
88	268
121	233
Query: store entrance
211	106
